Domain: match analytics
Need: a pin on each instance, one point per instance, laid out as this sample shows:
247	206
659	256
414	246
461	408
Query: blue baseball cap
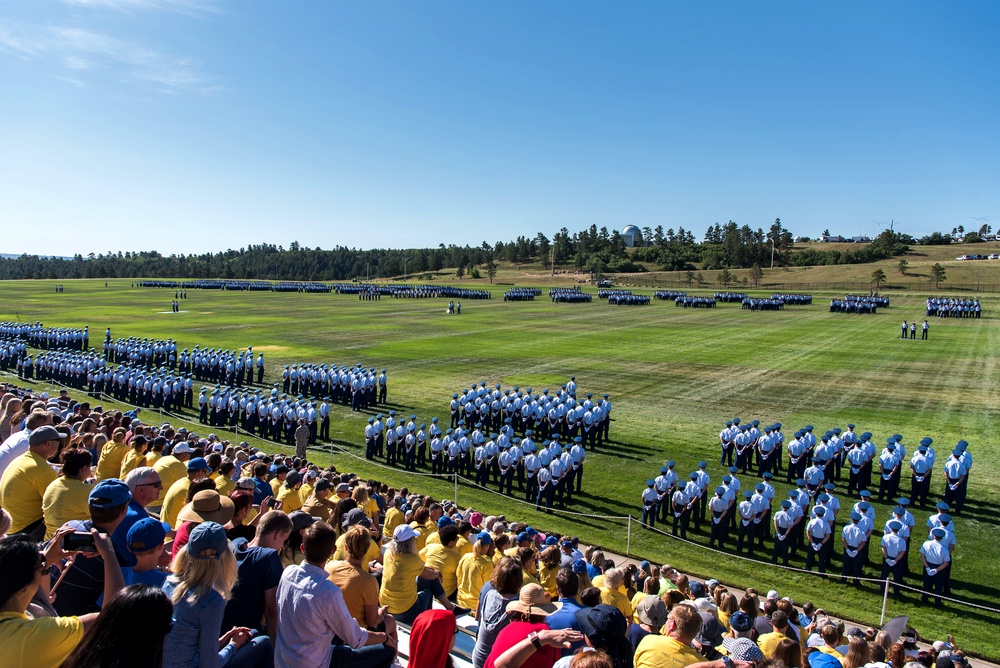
208	541
484	537
444	521
198	464
110	493
146	534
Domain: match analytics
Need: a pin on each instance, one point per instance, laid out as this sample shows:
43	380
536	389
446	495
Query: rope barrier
540	508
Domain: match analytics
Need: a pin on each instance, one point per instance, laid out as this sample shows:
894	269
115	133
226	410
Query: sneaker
459	611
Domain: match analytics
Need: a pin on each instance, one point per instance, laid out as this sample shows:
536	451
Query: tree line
729	246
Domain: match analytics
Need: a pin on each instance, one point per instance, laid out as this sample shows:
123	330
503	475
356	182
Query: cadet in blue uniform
955	476
745	528
920	470
719	506
649	500
937	566
855	543
893	555
818	540
783	522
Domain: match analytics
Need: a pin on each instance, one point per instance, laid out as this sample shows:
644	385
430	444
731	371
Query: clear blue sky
196	125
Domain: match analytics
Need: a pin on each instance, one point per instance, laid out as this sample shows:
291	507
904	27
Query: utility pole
404	267
772	252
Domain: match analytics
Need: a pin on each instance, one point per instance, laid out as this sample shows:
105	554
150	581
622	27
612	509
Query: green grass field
674	376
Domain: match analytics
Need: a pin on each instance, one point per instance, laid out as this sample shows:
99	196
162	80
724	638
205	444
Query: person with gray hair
145	484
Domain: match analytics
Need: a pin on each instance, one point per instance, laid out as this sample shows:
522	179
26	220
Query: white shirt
15	446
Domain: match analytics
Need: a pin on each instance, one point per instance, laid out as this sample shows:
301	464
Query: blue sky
197	125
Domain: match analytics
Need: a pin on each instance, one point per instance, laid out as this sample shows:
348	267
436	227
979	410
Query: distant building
861	239
632	236
831	238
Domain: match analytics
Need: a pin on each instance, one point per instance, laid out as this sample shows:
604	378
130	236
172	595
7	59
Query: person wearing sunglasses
145	485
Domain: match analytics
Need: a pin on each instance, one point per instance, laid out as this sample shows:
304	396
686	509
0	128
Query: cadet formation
813	520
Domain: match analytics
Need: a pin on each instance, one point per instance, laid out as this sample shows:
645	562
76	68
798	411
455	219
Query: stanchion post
456	489
628	538
885	601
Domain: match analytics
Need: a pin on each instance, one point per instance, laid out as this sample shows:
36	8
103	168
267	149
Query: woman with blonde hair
363	497
203	575
359	587
10	405
858	653
67	497
474	571
136	455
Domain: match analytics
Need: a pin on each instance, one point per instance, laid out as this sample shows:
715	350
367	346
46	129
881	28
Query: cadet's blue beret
956	452
793	493
755	423
865	436
809	427
798	434
733	469
895	525
670	463
726	479
899	510
865	506
800	482
759	487
747	494
823	498
850	426
897	437
729	423
938	532
777	425
819	511
702	464
650	482
962	445
578	439
693	475
865	493
829	485
663	469
720	490
941	505
945	518
927	440
786	504
855	516
922	448
903	501
736	420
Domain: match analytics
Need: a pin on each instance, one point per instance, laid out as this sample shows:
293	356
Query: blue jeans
257	653
427	591
373	656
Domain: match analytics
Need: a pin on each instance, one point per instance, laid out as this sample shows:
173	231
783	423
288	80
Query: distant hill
14	256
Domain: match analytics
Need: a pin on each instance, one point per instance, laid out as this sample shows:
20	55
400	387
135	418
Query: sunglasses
157	485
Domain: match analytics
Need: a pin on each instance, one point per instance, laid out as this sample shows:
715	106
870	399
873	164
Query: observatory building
632	236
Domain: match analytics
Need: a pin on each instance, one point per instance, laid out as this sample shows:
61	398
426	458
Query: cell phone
78	542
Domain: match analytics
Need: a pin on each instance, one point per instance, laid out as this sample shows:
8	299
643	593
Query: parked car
994	256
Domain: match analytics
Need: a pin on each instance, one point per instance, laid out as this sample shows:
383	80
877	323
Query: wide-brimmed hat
532	600
207	506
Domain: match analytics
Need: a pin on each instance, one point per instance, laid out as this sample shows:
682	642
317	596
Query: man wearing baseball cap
23	483
82	583
145	542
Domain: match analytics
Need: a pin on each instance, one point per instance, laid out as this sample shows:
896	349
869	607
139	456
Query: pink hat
476	519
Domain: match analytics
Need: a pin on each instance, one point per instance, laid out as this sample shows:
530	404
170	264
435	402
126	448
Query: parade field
674	377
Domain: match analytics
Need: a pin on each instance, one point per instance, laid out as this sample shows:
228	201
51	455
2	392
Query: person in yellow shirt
443	557
223	478
44	641
278	480
548	567
408	586
67	497
529	569
109	463
176	498
319	504
308	485
419	526
24	482
288	494
359	587
673	648
768	642
155	451
135	456
393	516
357	517
474	571
362	496
831	636
170	468
613	592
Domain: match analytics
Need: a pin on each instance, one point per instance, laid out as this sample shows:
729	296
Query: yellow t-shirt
473	572
152	457
635	605
547	578
422	534
393	518
528	578
109	464
832	651
131	460
359	588
37	643
290	499
399	581
618	598
173	503
598	581
65	499
170	469
769	642
340	554
318	508
656	651
371	510
21	489
463	546
444	559
223	484
275	486
306	491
